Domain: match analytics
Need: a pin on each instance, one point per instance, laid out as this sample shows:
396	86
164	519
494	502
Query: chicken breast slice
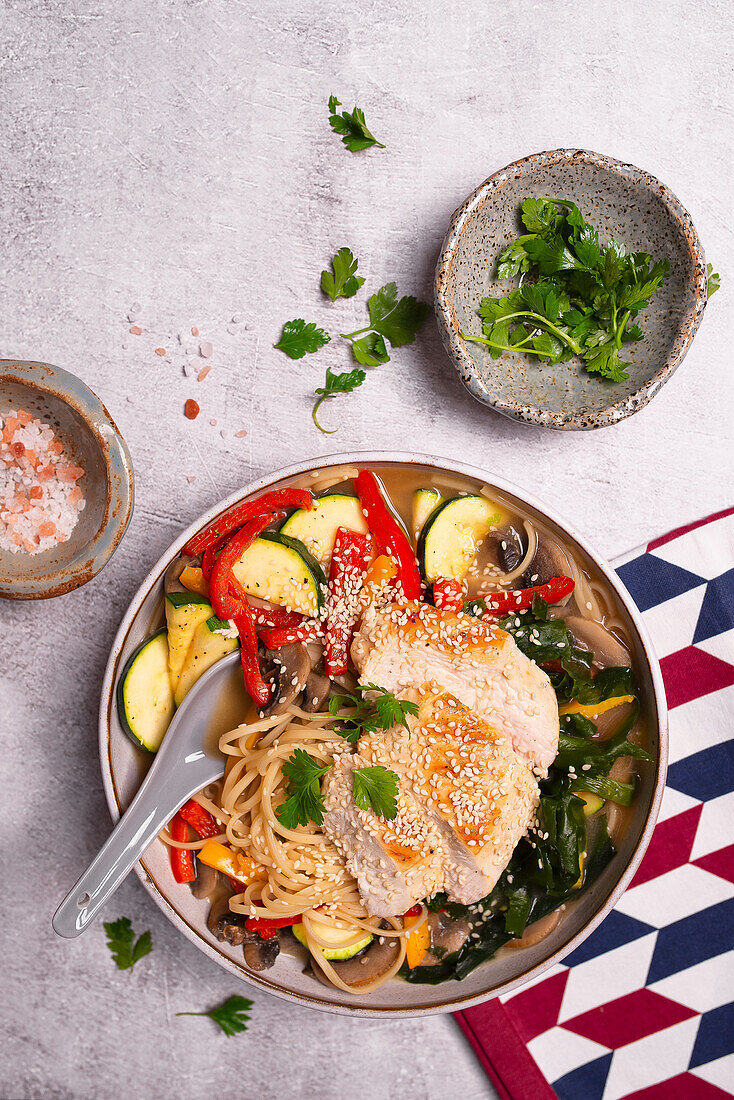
464	800
412	645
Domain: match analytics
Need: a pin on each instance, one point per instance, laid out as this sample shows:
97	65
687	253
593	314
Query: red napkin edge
512	1068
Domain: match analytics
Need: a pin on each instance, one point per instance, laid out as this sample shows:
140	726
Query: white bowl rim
449	466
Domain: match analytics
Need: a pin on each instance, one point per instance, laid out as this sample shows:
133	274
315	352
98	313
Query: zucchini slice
450	537
212	640
145	702
184	612
317	528
425	501
335	936
280	569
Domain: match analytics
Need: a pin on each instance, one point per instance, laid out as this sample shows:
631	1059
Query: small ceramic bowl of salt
66	482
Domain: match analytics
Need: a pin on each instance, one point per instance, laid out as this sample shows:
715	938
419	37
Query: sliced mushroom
509	548
171	582
348	681
228	926
446	934
318	686
206	881
606	647
292	667
365	967
261	954
548	561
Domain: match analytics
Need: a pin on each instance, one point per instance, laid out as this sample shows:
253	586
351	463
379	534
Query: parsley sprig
392	319
335	384
342	281
126	949
298	338
304	801
575	296
380	712
713	281
231	1016
351	127
376	789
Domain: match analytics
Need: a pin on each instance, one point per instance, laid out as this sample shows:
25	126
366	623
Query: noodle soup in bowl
459	942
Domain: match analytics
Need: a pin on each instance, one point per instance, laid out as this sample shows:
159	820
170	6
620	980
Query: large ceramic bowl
123	766
92	440
620	201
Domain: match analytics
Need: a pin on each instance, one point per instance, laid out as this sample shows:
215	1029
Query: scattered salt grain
194	331
189	370
160	351
134	311
203	373
135	330
191	478
205	349
40	500
223	433
213	422
232	328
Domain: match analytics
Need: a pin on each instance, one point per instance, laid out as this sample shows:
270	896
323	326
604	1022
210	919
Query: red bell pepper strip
242	513
287	635
349	560
224	603
271	617
267	928
257	689
389	535
503	603
182	859
209	556
414	911
448	594
205	824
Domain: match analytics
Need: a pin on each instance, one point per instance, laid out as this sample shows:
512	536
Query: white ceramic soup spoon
182	766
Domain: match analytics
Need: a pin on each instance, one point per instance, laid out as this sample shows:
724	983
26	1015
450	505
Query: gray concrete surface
176	155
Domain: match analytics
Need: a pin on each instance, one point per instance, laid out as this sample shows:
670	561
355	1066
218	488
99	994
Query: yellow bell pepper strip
192	577
381	572
235	865
418	942
593	710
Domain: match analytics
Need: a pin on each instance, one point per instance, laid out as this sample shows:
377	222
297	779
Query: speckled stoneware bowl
91	440
620	201
124	765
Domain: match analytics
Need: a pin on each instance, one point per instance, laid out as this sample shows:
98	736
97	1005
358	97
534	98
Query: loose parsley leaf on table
298	338
126	950
304	801
376	789
576	296
352	128
381	712
335	384
230	1016
713	281
392	319
342	281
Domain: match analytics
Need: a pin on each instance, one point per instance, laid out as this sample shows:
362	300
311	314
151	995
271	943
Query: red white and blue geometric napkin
644	1008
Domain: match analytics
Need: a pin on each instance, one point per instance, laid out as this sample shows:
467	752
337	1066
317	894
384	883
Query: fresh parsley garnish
298	338
126	950
713	281
304	801
376	789
381	712
352	128
392	319
576	296
342	281
335	384
230	1016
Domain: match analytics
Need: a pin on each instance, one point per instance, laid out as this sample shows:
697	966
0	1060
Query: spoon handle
155	804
